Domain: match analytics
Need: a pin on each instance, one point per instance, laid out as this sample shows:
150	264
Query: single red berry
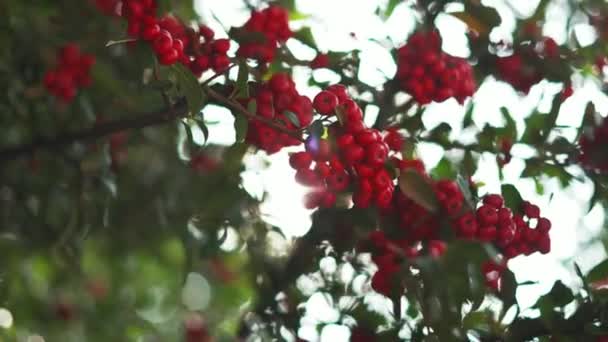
493	200
322	169
338	181
280	83
531	210
169	57
340	91
394	140
487	215
70	54
307	177
487	233
219	63
384	197
353	154
325	102
300	160
150	32
543	225
320	61
376	153
437	248
220	46
163	42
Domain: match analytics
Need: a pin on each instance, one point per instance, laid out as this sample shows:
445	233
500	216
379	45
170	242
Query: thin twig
151	119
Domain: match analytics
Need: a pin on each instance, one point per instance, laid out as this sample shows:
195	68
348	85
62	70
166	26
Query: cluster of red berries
273	100
272	24
419	231
517	72
72	72
172	41
350	154
593	154
428	74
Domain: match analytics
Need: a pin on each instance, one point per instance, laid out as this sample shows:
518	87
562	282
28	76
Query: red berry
220	46
493	200
150	32
169	57
340	91
219	63
320	61
163	42
487	233
543	225
531	210
487	215
338	181
376	153
353	154
394	140
325	102
70	55
300	160
280	83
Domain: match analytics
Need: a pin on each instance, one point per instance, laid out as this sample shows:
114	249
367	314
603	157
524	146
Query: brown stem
179	110
235	106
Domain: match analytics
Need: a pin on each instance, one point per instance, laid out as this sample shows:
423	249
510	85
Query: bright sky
332	22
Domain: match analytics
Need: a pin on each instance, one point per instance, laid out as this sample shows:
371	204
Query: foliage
119	221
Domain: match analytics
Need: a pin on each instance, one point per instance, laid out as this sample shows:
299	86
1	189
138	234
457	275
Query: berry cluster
593	154
72	72
350	154
428	74
267	29
172	41
418	231
514	70
273	100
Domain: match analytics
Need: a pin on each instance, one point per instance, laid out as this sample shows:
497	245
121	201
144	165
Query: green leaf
292	117
478	18
241	124
468	116
508	290
390	8
444	169
190	88
242	86
416	187
196	292
203	126
465	188
599	272
513	199
510	129
477	320
305	36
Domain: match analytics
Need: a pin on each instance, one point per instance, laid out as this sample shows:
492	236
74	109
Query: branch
179	110
237	107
